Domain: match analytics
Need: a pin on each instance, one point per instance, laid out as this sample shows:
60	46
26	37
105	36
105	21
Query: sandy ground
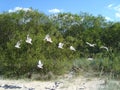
72	83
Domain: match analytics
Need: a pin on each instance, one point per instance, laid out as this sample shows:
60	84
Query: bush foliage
70	29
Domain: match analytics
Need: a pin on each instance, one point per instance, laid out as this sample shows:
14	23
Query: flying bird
91	45
60	45
18	44
40	65
48	38
28	40
90	59
72	48
104	47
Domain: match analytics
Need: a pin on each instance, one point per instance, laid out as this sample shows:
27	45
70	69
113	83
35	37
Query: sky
110	9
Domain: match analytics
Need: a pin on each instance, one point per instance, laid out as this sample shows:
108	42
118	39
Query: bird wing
72	48
40	66
61	44
88	43
18	43
104	47
29	39
47	36
40	63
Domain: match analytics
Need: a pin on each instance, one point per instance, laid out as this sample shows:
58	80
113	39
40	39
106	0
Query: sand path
76	83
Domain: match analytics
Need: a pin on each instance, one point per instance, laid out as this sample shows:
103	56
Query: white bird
104	47
28	40
90	59
71	17
91	45
60	45
72	48
48	38
82	19
40	65
18	44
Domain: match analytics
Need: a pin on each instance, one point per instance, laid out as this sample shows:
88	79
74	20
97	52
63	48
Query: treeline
70	29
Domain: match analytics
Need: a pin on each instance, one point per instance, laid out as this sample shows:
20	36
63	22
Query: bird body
90	59
40	65
28	40
60	45
91	45
72	48
48	38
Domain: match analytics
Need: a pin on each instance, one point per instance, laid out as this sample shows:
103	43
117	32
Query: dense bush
70	29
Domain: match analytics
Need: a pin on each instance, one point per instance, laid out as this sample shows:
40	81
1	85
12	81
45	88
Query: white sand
76	83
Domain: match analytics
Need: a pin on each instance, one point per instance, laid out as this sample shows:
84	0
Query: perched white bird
28	40
48	38
18	44
91	45
60	45
40	65
104	47
72	48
